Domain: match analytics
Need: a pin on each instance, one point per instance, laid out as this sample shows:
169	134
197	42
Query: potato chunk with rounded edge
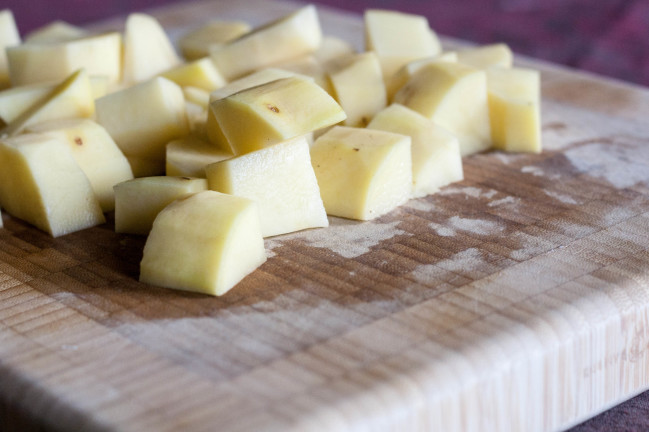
206	242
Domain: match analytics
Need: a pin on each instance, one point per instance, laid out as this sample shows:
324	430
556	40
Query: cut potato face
362	173
16	100
138	201
188	156
95	152
58	201
515	109
206	243
71	98
198	73
147	49
46	62
454	96
358	87
200	42
487	56
56	31
402	76
280	180
436	159
292	36
9	37
267	114
142	119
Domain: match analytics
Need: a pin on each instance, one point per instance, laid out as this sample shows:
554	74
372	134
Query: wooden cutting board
517	299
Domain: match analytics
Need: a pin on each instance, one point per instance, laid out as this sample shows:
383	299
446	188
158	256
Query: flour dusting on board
566	199
476	226
347	238
470	191
420	205
622	165
504	201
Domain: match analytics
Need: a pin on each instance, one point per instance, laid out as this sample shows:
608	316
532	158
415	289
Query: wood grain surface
517	299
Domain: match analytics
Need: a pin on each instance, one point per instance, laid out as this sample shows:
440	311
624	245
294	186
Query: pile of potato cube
253	132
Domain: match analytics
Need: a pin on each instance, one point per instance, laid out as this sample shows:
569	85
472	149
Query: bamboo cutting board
517	299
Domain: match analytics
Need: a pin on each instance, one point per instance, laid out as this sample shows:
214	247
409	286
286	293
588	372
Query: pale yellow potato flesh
291	36
138	201
73	97
142	119
56	200
401	77
95	152
189	155
16	100
487	56
454	96
273	112
56	31
147	49
515	109
9	37
200	42
45	62
280	179
436	158
198	73
358	87
206	243
362	173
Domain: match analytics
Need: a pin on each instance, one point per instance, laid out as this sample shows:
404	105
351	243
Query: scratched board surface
517	299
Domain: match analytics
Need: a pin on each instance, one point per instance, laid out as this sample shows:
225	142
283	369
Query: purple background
609	37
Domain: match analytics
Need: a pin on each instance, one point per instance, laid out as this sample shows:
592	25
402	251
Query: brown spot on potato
273	108
78	141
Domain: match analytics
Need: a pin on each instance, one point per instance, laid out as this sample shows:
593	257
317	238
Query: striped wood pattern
517	299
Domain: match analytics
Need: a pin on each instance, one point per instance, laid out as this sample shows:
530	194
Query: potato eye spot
273	108
78	141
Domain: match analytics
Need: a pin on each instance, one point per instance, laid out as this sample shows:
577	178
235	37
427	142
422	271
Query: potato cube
487	56
362	173
42	62
280	180
276	111
454	96
95	152
9	37
291	36
200	42
57	200
189	155
206	242
147	49
142	119
436	159
359	89
515	109
138	201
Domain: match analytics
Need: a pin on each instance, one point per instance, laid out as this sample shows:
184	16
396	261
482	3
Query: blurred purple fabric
609	37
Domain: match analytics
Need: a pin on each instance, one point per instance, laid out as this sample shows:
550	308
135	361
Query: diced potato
276	111
9	37
58	201
362	173
292	36
398	38
487	56
197	95
95	152
403	75
454	96
138	201
308	66
71	98
515	109
358	87
199	73
56	31
142	119
35	62
197	118
200	42
207	243
147	49
436	159
280	179
16	100
189	155
332	49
